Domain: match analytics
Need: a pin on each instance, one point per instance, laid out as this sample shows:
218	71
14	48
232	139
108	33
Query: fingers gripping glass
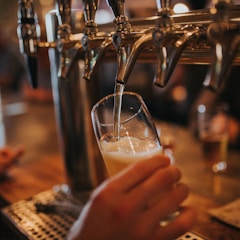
125	133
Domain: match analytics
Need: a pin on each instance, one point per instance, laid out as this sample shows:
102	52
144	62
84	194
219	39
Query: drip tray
47	215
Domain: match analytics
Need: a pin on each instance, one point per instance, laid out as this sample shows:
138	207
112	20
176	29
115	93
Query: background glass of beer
124	135
213	133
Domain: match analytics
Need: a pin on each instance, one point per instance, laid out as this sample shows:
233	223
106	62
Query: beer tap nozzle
162	35
223	35
63	36
93	54
126	56
126	61
170	51
29	34
170	41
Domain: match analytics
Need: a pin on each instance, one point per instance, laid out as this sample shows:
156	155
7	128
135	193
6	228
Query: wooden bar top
42	167
207	189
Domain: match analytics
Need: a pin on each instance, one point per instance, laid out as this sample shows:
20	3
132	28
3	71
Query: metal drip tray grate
47	215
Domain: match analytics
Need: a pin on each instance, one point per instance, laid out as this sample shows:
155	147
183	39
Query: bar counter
207	190
41	168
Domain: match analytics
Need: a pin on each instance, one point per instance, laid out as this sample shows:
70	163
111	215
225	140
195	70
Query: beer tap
90	41
90	8
170	41
63	36
223	34
161	36
29	36
123	29
127	43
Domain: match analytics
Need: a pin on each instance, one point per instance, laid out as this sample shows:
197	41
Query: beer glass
124	130
125	133
213	133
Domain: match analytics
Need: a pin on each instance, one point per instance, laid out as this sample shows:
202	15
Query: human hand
124	207
8	157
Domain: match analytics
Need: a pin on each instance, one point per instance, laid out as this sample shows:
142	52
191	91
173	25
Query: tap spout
160	76
90	40
126	61
222	34
63	36
29	36
221	62
169	51
93	58
95	44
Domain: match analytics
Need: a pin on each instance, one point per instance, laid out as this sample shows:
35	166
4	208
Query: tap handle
28	33
90	8
64	11
117	7
163	4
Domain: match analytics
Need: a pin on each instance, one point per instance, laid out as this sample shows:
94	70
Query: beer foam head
130	145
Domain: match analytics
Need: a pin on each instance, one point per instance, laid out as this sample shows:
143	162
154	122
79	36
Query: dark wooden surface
42	167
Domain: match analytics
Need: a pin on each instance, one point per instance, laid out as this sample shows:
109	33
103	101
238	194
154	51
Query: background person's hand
8	157
124	207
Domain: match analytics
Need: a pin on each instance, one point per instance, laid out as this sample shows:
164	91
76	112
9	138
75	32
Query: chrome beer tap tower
77	45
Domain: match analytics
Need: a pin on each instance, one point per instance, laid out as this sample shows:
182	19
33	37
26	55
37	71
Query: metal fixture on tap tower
29	36
223	34
77	45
